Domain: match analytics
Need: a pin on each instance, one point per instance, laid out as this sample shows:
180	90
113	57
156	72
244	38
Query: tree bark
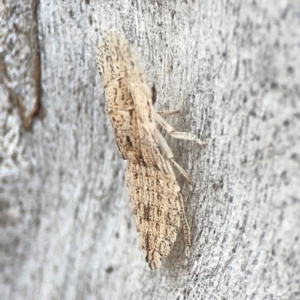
231	68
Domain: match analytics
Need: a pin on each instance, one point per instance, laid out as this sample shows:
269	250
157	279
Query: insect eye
153	90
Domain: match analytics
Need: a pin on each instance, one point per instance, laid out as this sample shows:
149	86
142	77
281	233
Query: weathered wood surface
232	68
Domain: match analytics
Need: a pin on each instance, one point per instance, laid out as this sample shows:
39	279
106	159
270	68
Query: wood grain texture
232	68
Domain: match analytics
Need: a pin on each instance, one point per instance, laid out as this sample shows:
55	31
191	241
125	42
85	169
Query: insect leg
164	145
168	113
176	134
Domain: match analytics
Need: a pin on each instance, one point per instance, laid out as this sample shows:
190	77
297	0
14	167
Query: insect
155	195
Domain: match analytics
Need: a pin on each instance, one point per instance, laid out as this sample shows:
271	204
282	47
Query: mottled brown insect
155	197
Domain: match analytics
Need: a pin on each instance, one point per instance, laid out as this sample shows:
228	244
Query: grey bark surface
232	68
